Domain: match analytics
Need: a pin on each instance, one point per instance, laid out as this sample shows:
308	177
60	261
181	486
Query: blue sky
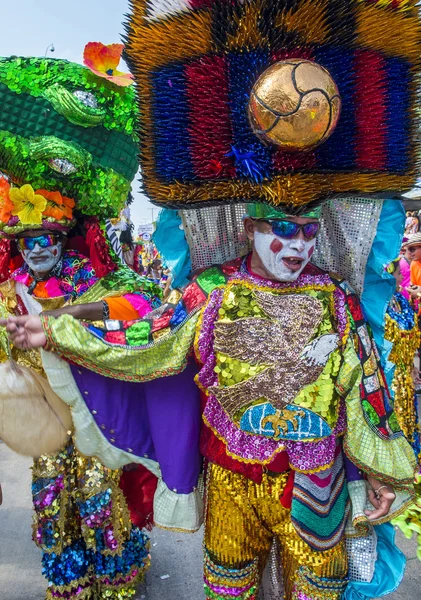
29	26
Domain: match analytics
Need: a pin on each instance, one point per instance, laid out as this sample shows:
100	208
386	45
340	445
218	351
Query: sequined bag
33	419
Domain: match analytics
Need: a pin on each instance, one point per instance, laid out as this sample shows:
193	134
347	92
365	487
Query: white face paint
43	260
285	259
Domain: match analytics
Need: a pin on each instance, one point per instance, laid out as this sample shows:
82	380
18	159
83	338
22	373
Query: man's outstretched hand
381	496
25	332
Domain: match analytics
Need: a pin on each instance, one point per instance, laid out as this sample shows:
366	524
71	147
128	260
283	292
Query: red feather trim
98	248
5	257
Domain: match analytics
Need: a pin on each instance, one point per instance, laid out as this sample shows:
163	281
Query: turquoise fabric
389	570
172	245
379	285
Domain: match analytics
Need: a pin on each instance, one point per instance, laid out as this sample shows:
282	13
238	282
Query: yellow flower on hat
27	205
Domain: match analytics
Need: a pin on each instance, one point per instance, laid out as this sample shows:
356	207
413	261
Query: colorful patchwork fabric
375	396
177	310
157	345
125	282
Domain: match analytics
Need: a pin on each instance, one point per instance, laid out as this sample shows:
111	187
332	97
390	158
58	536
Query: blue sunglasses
289	230
43	241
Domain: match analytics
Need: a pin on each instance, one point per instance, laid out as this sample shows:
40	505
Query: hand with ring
381	496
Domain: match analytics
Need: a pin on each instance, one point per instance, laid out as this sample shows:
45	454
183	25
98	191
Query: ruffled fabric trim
88	437
391	461
177	512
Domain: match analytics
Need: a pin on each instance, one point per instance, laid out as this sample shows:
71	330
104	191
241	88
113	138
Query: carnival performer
403	331
405	269
413	246
67	157
272	352
239	104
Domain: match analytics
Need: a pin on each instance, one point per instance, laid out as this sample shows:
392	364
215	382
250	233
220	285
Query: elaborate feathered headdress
275	101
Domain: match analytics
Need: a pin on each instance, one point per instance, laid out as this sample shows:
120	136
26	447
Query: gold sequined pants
242	518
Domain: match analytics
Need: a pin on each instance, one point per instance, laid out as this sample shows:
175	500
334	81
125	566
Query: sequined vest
277	350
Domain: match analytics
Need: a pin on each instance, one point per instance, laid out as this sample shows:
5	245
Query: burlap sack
33	419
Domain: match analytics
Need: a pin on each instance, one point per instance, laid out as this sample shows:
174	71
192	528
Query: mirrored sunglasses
289	230
43	241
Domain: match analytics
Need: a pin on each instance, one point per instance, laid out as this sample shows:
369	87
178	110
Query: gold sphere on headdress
294	104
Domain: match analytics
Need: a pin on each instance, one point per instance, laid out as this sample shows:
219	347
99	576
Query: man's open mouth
294	263
39	259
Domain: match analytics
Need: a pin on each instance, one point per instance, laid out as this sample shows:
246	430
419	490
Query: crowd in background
144	259
413	222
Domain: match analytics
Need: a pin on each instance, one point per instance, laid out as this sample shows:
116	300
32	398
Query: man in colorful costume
239	103
68	154
403	332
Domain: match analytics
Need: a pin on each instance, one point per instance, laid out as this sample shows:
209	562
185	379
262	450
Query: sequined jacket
284	366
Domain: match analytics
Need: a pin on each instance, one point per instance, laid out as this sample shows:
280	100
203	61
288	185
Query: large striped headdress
203	142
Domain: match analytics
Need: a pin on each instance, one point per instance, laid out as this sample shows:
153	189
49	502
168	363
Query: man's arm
93	311
373	441
139	350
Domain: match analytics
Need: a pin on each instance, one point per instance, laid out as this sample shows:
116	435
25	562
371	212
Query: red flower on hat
6	205
58	206
104	60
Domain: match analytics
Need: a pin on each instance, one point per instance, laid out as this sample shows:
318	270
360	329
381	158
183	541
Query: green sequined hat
265	211
67	130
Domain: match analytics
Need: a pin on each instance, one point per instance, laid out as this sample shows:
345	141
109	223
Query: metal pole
50	48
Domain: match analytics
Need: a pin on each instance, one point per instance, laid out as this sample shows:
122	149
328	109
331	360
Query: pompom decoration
197	63
98	249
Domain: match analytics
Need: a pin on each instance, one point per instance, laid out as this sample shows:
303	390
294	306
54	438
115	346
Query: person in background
166	282
127	246
155	271
413	247
412	226
401	328
405	269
